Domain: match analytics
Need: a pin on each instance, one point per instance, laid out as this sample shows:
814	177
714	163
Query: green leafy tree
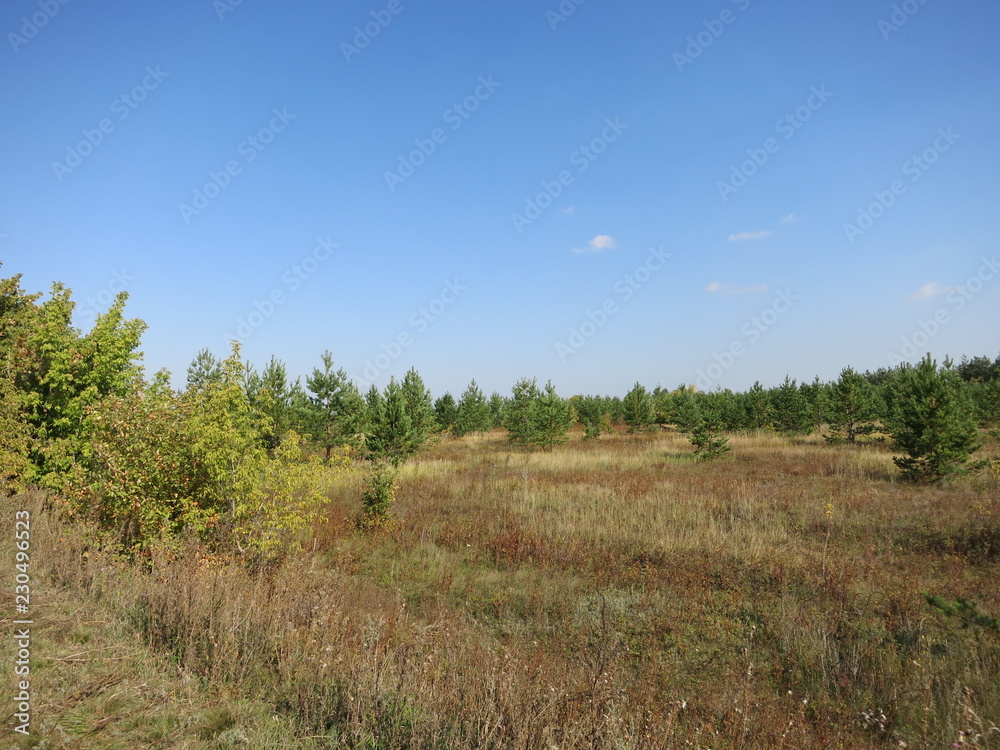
445	410
272	397
852	409
638	409
473	412
933	422
68	373
333	411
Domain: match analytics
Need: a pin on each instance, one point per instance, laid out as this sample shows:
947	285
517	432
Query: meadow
608	593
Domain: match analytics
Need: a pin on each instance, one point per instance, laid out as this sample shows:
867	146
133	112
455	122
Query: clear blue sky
736	137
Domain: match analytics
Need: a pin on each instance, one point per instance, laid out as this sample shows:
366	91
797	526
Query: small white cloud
568	209
600	243
931	289
715	286
746	236
790	219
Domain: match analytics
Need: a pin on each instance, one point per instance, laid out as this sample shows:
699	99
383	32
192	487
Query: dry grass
607	594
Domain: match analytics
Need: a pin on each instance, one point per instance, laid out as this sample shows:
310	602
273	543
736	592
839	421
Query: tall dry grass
607	594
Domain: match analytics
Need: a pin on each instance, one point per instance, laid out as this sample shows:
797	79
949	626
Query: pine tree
419	405
520	412
332	415
638	409
758	405
816	396
204	368
852	407
790	414
391	435
473	412
704	428
498	407
445	410
932	422
553	418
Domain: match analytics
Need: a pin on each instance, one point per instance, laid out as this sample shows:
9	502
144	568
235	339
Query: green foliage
703	426
159	463
445	410
288	500
419	406
537	418
498	408
593	413
378	497
638	409
520	412
552	420
391	435
965	611
758	407
204	368
790	411
473	412
333	411
852	407
15	440
932	422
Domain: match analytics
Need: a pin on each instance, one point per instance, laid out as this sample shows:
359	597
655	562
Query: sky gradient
587	192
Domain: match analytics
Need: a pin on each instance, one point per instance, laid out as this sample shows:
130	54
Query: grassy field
608	594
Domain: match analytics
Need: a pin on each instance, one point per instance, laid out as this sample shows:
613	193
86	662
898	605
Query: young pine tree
790	412
932	422
758	407
332	413
445	411
638	409
851	408
553	419
519	414
419	405
704	428
473	412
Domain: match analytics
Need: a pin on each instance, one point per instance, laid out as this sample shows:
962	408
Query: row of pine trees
79	416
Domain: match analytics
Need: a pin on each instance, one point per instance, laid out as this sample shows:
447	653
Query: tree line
244	457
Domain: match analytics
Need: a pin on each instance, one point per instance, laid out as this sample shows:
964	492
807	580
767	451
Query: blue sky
587	192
